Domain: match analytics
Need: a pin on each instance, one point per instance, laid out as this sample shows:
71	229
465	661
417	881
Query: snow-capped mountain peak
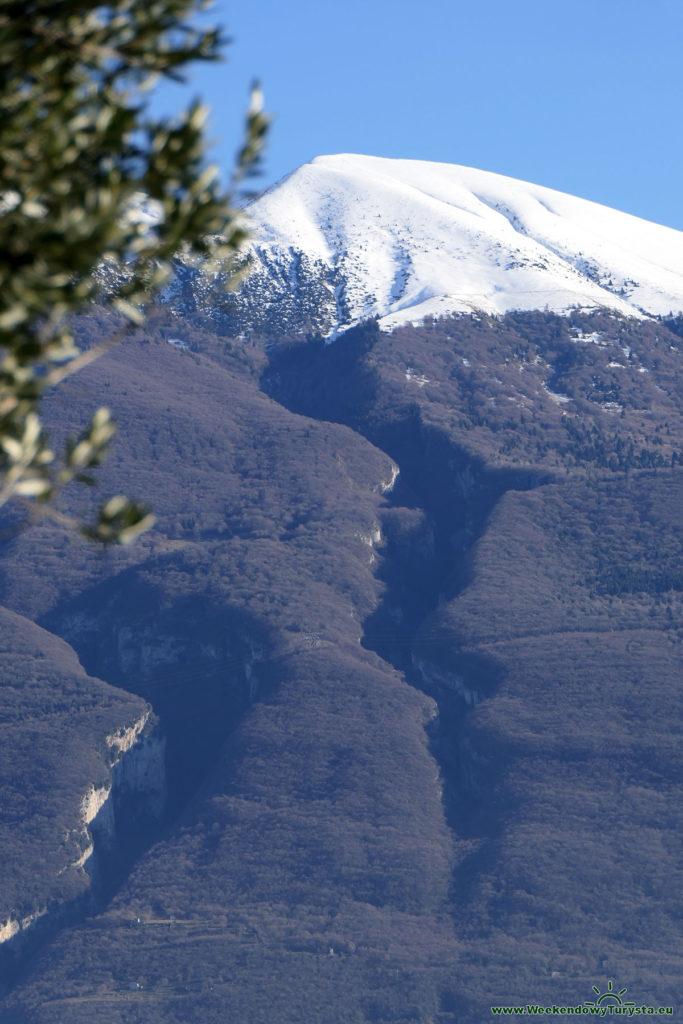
348	237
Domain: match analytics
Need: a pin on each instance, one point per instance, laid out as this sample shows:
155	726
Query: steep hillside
61	818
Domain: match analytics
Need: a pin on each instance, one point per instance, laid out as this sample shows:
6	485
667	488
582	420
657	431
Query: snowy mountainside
348	237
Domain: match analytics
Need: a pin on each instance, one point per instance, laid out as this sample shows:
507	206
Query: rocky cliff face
139	767
134	789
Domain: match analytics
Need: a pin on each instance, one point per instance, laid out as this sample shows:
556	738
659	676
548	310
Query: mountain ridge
351	237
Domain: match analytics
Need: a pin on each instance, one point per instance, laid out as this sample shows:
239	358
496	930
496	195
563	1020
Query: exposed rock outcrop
135	791
54	761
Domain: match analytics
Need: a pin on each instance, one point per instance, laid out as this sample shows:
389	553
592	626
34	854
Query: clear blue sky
585	96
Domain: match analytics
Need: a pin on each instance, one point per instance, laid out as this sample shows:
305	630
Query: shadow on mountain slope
437	509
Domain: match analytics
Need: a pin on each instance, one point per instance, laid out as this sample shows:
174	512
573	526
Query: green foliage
78	154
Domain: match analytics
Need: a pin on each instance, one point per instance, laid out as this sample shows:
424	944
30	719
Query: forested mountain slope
381	722
410	626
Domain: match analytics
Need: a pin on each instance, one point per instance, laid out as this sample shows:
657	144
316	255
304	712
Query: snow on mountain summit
356	236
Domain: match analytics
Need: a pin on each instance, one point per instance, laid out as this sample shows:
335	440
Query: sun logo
610	994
